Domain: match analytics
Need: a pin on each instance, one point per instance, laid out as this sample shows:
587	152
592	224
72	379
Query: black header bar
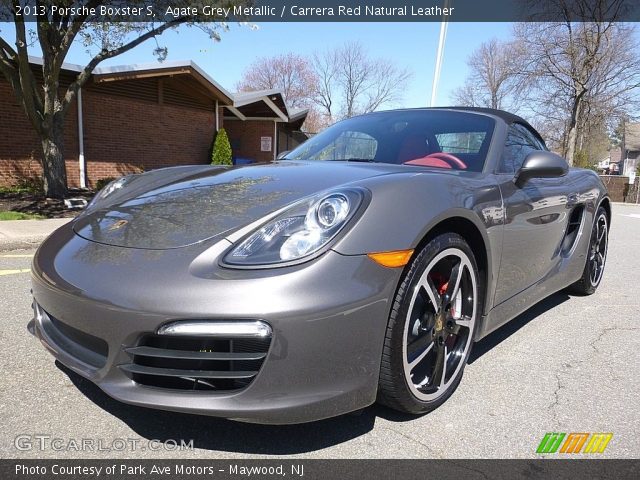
327	10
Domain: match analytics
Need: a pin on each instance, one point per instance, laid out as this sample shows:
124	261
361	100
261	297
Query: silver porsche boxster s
361	267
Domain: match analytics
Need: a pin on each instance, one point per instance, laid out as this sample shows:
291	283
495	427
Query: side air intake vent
573	228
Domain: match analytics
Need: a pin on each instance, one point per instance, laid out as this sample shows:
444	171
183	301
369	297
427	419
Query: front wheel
431	327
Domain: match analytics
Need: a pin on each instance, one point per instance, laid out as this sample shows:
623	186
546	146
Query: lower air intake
196	362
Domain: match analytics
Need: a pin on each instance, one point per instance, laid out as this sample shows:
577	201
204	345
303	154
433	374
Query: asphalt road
570	364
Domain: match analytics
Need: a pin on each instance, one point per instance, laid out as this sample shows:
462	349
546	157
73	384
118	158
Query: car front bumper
328	319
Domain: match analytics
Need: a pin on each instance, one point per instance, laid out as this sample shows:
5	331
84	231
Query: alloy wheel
439	329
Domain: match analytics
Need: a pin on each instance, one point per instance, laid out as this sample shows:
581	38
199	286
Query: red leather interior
415	151
429	162
439	159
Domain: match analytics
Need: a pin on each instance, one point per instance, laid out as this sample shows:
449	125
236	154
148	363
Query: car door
535	217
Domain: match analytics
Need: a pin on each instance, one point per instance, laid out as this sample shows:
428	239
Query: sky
409	45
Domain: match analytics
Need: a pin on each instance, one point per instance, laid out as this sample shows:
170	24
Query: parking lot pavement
570	364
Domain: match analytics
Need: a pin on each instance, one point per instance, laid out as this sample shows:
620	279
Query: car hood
172	208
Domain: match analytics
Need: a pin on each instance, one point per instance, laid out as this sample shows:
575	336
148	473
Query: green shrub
221	152
11	190
32	185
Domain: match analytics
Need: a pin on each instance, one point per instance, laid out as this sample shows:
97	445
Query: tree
46	103
494	80
221	152
325	66
293	75
289	72
581	68
337	83
351	82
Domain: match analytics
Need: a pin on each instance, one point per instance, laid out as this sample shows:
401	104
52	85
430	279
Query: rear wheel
431	327
596	256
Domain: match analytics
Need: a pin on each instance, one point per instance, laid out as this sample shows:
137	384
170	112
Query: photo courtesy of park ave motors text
267	231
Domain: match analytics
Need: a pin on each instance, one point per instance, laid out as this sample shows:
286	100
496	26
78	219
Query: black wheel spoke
454	282
439	368
432	291
419	355
424	303
418	345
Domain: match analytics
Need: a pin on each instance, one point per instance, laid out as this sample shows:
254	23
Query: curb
21	244
20	234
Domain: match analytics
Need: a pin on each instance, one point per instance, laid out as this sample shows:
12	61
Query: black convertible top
506	116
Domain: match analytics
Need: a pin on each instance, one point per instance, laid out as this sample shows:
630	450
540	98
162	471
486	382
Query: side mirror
541	164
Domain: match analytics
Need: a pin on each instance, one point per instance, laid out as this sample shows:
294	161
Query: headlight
298	233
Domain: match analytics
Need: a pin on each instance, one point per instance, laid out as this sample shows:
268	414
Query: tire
429	330
596	256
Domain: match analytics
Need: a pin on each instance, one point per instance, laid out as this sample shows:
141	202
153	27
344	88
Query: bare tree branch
42	99
584	71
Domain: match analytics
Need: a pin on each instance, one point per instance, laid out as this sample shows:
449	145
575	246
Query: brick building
260	125
141	117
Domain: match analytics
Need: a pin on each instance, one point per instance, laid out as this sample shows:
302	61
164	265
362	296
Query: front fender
405	208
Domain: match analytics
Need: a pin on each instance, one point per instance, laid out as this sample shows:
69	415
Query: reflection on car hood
177	207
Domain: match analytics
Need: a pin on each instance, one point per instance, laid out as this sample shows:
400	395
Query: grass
17	190
11	215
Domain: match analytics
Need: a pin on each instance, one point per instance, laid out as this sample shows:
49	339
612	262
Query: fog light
217	329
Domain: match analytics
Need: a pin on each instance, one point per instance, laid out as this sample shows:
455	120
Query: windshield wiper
363	160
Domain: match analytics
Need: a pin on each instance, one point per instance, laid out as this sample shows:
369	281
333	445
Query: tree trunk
574	125
571	142
53	166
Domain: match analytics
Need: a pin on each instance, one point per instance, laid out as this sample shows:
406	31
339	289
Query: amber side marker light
397	258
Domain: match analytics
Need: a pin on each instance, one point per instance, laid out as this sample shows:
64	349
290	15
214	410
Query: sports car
361	267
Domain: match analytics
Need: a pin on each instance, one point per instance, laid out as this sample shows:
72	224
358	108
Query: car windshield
433	138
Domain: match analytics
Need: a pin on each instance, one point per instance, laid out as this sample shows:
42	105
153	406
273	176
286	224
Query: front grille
196	362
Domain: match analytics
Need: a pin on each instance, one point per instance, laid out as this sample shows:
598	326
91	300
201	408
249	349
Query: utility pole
623	146
439	55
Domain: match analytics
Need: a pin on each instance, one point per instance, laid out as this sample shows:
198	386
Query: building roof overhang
187	75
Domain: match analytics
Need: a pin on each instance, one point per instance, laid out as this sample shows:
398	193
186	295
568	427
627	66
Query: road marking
17	256
632	215
13	272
